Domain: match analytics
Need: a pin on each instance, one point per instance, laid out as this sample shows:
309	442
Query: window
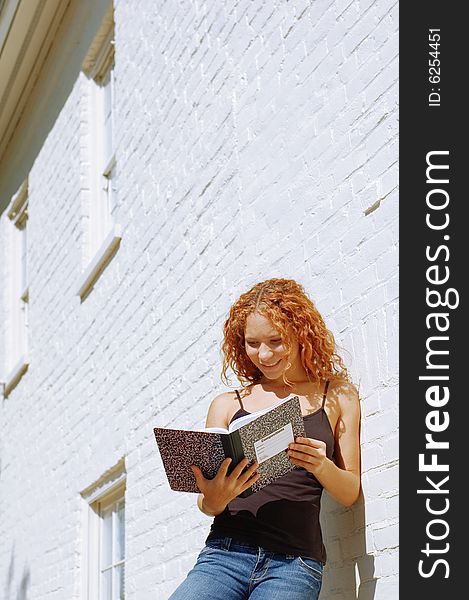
105	548
17	292
103	233
102	114
112	552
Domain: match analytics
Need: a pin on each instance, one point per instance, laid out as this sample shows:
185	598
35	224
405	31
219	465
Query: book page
252	416
215	429
244	419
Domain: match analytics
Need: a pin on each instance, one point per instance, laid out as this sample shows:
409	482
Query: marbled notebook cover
181	448
279	464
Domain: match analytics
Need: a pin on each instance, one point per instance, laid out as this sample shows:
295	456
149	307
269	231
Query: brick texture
254	139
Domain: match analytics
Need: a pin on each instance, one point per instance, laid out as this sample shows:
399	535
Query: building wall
253	140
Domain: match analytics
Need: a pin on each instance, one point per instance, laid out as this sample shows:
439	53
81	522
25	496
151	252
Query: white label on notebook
273	443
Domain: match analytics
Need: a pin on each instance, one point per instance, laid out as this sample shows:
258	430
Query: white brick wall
252	138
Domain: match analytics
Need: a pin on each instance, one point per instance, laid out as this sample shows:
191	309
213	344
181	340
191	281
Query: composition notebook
262	436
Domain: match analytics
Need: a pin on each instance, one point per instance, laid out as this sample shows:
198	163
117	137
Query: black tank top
284	515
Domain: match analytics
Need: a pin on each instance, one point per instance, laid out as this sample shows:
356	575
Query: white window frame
17	293
104	234
108	491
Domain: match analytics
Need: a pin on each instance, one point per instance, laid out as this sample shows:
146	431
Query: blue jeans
229	570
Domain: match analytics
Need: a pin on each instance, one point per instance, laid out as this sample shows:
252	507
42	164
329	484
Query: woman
269	545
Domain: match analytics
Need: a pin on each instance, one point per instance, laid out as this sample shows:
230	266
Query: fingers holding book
225	486
308	453
243	476
243	469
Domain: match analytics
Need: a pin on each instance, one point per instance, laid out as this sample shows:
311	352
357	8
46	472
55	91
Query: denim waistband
228	543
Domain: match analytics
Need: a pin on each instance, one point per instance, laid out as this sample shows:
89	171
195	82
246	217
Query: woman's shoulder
344	393
342	386
220	409
223	399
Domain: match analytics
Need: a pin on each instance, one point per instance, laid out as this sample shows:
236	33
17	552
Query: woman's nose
264	351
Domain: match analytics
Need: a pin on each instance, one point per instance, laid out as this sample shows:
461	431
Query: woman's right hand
224	488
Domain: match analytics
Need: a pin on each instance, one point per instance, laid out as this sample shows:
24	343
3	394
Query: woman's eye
255	344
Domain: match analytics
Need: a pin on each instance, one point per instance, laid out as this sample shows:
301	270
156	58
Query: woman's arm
216	417
341	480
223	488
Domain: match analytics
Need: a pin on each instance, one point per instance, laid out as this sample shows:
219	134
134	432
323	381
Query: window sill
100	261
14	376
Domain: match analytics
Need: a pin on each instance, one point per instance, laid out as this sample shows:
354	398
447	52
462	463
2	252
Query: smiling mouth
270	366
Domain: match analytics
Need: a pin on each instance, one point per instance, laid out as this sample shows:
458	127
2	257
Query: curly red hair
285	303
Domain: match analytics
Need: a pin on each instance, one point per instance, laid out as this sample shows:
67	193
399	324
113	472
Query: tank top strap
239	400
324	396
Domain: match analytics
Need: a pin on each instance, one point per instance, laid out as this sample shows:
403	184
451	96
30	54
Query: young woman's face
264	347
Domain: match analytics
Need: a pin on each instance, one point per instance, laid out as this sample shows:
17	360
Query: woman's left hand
308	453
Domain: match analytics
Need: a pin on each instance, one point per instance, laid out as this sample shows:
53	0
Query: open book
262	436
